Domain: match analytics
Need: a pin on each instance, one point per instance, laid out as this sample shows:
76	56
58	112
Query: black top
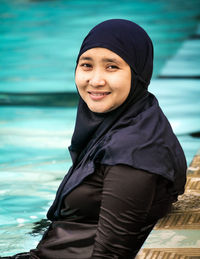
103	217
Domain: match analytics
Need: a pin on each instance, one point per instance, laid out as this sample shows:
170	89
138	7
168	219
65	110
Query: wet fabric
137	133
103	219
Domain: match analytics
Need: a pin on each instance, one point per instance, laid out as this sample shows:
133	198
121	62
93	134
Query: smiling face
103	79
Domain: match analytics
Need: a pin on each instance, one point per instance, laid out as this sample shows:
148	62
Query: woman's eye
112	67
86	65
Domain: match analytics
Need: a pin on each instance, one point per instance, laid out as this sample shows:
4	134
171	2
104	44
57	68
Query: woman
128	166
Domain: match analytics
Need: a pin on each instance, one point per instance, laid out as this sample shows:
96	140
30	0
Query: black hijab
137	133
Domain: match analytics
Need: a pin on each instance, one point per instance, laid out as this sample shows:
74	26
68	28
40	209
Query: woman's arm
126	200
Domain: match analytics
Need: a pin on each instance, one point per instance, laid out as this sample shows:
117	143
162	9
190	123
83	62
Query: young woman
128	166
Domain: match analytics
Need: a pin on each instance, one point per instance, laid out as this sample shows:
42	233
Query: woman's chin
100	108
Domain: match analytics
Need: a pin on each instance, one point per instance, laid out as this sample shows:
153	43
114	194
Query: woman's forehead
104	54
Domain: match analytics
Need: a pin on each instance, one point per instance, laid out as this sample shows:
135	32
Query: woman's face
103	79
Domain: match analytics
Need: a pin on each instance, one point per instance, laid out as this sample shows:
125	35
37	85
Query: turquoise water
34	158
39	41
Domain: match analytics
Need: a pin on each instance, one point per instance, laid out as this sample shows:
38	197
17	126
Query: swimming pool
33	160
38	44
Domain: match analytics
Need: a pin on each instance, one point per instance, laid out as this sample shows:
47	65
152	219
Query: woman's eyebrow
85	58
112	60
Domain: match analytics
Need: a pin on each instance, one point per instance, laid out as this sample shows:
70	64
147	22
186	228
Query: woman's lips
98	95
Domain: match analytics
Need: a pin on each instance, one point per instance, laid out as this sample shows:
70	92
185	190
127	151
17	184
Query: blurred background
39	42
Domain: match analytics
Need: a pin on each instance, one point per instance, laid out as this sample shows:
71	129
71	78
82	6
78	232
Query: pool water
39	41
34	159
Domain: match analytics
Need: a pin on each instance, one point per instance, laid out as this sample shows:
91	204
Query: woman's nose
97	80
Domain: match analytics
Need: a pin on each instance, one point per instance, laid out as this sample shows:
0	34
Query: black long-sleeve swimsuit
109	215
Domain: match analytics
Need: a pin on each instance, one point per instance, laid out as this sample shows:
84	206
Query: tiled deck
185	216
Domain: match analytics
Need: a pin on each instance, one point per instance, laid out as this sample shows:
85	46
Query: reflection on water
39	41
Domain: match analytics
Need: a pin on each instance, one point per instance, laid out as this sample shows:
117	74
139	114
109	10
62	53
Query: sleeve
126	200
